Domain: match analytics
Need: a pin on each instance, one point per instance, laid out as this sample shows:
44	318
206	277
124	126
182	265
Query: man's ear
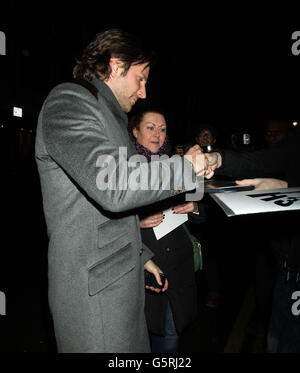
116	66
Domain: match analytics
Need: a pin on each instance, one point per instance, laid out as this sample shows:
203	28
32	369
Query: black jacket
173	253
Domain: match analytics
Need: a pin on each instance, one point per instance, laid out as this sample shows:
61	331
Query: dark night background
234	73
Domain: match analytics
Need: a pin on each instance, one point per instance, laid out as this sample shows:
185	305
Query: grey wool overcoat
95	255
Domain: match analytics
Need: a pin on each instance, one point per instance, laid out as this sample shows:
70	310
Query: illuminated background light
17	112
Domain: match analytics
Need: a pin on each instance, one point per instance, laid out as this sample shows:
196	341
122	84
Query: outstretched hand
185	208
214	160
263	183
199	161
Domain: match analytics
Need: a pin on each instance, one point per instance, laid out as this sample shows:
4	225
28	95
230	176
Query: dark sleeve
199	218
261	163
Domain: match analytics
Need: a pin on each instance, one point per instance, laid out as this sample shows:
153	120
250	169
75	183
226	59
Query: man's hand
151	267
152	220
214	160
199	161
185	208
263	183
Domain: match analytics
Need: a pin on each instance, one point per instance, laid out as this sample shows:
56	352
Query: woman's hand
263	183
151	267
152	220
185	208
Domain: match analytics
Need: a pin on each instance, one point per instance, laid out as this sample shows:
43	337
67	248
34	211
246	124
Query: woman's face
152	131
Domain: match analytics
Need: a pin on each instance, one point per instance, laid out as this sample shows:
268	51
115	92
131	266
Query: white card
170	222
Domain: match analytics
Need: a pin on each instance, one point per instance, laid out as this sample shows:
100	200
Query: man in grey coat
96	260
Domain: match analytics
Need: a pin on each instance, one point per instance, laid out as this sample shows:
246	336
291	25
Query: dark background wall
234	73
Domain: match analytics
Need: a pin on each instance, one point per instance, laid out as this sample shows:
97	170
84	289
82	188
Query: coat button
168	249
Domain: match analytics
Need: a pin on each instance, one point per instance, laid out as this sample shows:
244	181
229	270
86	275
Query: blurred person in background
206	136
276	132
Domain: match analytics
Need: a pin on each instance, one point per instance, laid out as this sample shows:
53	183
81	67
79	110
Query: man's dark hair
94	62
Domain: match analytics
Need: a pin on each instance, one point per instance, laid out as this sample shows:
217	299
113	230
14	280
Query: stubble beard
123	100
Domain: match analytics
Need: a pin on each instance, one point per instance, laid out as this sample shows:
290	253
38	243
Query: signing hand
185	208
151	267
214	160
263	184
199	161
152	220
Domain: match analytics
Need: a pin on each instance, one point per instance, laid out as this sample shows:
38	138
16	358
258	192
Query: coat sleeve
76	139
147	254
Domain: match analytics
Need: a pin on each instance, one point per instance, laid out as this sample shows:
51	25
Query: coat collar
104	92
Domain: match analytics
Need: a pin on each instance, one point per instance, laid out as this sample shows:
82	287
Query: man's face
275	133
205	138
129	88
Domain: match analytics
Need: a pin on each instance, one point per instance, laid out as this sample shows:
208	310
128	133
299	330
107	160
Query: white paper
170	222
259	201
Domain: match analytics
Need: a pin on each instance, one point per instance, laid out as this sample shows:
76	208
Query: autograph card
171	221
